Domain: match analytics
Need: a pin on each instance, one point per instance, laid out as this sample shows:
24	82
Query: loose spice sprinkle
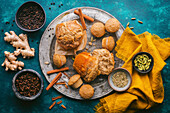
2	30
13	20
55	98
49	8
28	84
12	25
133	18
63	106
31	17
52	33
66	74
140	22
59	102
31	40
66	86
49	35
53	3
7	22
61	4
52	105
131	27
120	79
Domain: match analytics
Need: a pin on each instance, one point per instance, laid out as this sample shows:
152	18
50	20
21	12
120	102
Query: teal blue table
155	15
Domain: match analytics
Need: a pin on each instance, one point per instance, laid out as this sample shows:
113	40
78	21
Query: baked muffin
98	29
108	43
87	66
106	60
69	34
59	60
86	91
75	81
112	25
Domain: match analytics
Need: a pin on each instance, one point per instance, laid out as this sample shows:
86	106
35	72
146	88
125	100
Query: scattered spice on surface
63	106
47	63
53	3
12	25
52	33
142	62
140	22
55	98
66	74
128	24
2	30
59	6
59	102
28	84
90	43
120	79
37	42
131	27
52	105
49	8
133	18
31	17
49	35
7	22
66	86
13	20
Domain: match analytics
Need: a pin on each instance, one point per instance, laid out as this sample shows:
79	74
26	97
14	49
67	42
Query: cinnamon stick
85	16
58	97
58	70
54	81
52	105
63	106
59	102
66	74
82	19
59	83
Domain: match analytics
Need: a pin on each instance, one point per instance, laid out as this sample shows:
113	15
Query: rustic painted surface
153	13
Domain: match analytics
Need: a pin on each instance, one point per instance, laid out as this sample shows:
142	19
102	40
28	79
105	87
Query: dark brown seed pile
28	84
31	17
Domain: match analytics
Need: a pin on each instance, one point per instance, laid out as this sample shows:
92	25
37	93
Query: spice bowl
120	79
27	84
148	57
30	16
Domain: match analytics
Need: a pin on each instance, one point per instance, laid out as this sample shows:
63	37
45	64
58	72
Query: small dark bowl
151	64
18	95
29	3
129	77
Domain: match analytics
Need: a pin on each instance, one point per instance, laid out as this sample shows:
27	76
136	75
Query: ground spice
28	84
120	79
31	17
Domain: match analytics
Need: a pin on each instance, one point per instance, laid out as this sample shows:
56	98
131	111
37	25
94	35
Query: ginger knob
59	60
108	43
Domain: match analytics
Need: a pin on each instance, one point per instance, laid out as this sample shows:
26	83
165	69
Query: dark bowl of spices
27	84
120	79
142	62
30	16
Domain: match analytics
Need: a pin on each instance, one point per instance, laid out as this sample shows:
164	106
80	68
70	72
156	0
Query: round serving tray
47	49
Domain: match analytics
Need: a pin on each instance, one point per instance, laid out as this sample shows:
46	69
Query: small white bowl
129	77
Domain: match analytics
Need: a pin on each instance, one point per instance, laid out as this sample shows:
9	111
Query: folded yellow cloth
146	90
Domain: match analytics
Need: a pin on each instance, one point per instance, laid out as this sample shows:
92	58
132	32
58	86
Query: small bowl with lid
120	79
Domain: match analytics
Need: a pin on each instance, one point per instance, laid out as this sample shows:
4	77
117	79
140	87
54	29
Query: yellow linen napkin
147	89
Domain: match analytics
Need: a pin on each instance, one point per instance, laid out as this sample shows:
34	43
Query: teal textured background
155	15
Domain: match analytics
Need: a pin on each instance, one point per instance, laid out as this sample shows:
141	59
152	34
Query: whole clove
28	84
31	17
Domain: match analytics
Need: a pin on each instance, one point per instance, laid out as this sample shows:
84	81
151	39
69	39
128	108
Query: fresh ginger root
11	63
20	43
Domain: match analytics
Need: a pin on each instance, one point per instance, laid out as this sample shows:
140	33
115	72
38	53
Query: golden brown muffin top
86	91
69	34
